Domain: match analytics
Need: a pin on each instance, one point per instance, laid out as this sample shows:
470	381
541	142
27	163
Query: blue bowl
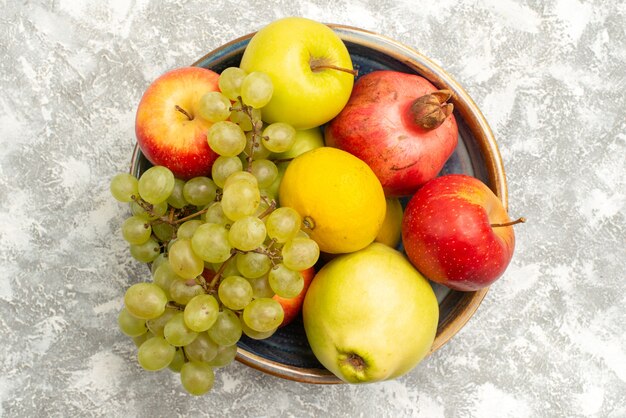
287	353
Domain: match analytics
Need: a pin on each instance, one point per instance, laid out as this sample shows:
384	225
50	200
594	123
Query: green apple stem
319	64
184	112
515	222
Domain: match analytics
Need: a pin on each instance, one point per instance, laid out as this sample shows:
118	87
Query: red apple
457	232
293	306
400	125
167	127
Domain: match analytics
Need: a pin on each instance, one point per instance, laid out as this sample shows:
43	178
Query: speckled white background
549	340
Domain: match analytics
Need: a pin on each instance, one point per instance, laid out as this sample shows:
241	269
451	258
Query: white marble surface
549	339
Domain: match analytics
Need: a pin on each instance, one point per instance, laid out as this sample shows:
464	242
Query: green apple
310	68
370	315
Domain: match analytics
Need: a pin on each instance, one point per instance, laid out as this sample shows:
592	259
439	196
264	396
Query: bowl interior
287	353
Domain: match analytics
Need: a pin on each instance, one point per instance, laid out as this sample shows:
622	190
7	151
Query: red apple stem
515	222
184	112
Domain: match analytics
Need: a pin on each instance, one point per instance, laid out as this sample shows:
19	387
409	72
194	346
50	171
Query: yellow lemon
339	197
389	233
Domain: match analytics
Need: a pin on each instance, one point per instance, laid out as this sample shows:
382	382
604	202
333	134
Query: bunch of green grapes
218	245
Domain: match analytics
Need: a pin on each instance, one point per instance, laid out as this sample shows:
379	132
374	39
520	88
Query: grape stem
202	282
282	160
175	305
218	274
270	209
193	215
257	126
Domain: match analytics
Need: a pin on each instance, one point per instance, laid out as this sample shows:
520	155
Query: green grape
241	175
285	282
283	224
263	314
242	119
258	151
257	89
136	230
226	138
300	253
302	234
235	292
247	233
214	106
176	199
256	335
224	167
225	356
201	312
142	338
157	262
184	261
156	184
240	198
123	187
164	276
197	378
177	362
261	287
130	325
155	354
186	229
157	325
215	215
182	291
279	137
177	333
275	186
163	231
202	348
145	252
210	242
265	172
145	300
252	264
200	191
227	328
230	82
158	210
